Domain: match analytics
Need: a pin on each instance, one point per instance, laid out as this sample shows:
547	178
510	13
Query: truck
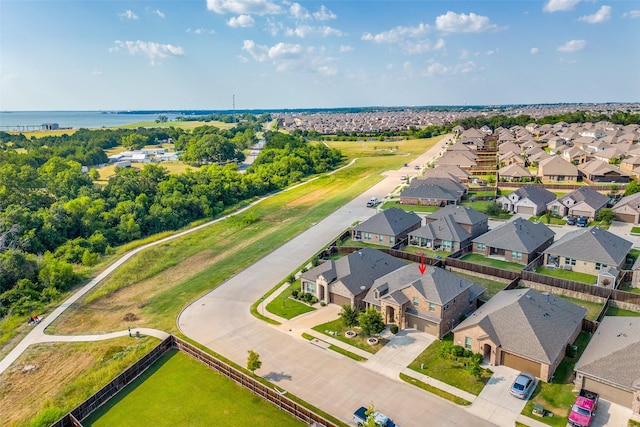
583	409
381	420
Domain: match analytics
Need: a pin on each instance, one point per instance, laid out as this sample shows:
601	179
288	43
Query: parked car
404	178
373	202
571	220
381	420
582	221
523	385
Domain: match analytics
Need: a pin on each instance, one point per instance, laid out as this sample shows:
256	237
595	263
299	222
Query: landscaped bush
295	293
393	329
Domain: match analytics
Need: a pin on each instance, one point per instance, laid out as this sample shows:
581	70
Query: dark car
571	220
523	385
582	221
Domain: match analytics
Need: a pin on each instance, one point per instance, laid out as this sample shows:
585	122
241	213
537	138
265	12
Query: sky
273	54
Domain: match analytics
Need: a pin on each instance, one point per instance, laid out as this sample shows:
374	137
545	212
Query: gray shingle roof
592	244
633	200
429	191
445	228
436	285
538	195
586	195
614	350
357	269
390	222
521	321
461	214
517	235
515	170
449	184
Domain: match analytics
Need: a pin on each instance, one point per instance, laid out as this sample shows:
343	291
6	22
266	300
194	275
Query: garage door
610	393
626	218
422	325
520	363
339	299
527	210
581	213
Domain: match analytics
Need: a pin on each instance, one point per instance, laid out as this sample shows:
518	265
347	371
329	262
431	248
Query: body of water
33	120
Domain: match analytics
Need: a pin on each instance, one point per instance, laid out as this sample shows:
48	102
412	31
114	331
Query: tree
253	361
162	119
371	321
135	141
632	188
474	368
606	215
349	315
491	179
494	209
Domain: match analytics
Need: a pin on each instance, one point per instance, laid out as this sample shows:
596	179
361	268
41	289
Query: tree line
53	216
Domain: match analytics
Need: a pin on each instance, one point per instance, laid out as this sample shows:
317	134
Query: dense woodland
52	215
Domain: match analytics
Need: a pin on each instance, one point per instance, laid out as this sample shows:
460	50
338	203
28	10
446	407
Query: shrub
393	329
294	293
291	279
322	303
477	357
457	351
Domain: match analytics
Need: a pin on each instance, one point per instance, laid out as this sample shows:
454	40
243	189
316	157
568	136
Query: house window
454	300
376	294
415	301
570	261
467	342
600	266
381	237
446	244
390	239
555	209
432	306
367	236
516	255
482	246
445	307
311	288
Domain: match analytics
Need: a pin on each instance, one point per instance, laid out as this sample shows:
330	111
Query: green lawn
287	307
492	286
359	341
576	276
448	371
635	230
427	252
613	311
409	208
497	263
431	389
543	219
176	390
630	289
557	396
361	244
593	308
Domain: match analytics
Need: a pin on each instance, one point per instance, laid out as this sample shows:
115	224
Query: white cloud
244	7
200	31
299	12
397	34
273	27
157	12
492	52
128	14
346	48
601	15
631	14
303	31
289	56
464	54
560	5
152	50
241	21
440	69
452	22
534	51
324	14
439	44
573	46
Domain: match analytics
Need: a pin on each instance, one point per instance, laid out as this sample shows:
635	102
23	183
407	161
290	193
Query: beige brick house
432	302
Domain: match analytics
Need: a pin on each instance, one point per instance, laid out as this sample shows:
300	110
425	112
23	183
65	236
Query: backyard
409	208
576	276
158	398
492	286
492	262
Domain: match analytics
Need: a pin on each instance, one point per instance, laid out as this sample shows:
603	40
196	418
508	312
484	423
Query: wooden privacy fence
277	398
482	269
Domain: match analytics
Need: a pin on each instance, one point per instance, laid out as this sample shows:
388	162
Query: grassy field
43	133
385	148
156	284
64	374
409	208
158	398
176	124
567	274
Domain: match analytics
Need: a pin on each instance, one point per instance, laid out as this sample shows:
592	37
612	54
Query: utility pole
234	108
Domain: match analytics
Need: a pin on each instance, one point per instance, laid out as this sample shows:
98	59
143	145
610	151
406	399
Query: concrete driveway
399	352
611	415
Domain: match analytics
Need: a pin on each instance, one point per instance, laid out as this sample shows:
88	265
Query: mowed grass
63	375
188	125
569	275
497	263
359	341
172	167
385	148
492	286
287	307
178	390
157	283
44	133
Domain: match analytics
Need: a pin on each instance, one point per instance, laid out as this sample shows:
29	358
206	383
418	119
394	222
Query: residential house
609	365
522	329
516	241
557	169
628	209
631	166
515	173
474	222
575	155
463	159
432	302
528	199
536	155
462	176
433	192
588	250
347	280
510	158
443	234
600	171
386	228
580	202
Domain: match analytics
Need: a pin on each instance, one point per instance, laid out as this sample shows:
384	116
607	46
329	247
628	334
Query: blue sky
115	55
